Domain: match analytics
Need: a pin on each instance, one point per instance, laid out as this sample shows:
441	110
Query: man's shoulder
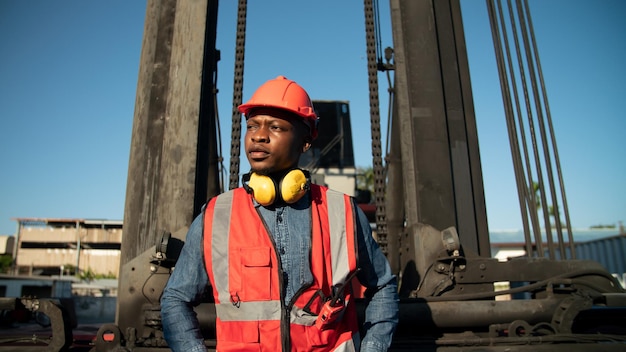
227	193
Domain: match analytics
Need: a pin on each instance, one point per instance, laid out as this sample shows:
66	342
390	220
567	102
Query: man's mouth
258	153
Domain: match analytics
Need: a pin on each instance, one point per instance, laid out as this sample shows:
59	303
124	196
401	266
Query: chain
379	171
235	143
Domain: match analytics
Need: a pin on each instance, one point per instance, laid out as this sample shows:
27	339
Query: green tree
69	269
87	275
5	263
365	178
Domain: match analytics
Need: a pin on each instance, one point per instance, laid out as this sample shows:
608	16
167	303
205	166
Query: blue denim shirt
290	227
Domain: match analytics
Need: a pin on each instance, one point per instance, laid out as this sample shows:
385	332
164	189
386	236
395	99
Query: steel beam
434	109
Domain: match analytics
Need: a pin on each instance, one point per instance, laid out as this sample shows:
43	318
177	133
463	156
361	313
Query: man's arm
381	314
183	292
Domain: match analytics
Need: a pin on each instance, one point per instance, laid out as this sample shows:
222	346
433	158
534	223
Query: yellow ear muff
293	186
263	189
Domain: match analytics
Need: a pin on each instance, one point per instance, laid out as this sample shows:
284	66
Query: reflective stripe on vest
239	243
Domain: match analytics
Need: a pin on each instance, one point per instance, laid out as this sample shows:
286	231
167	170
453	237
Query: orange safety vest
245	273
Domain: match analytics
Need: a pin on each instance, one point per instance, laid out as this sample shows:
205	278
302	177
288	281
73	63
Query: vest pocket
256	274
241	336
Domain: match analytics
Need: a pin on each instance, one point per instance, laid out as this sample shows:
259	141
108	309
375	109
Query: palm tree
554	213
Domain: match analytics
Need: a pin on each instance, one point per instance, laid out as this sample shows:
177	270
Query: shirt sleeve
381	313
183	292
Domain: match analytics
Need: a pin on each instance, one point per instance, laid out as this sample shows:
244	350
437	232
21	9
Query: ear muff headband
292	187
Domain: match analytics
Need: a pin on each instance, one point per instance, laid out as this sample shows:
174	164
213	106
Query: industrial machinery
428	194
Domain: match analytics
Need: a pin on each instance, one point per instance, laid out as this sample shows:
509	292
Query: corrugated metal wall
610	252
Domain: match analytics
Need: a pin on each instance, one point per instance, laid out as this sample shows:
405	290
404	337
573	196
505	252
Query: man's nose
260	135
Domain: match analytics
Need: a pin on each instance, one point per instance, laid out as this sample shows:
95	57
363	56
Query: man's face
274	140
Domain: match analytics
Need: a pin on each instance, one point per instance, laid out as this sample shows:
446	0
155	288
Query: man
280	253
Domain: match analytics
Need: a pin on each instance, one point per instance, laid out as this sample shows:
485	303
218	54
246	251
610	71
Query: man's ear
307	145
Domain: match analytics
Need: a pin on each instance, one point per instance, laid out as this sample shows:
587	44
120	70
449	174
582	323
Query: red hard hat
285	94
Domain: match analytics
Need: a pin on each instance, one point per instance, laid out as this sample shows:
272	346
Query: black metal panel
334	120
439	145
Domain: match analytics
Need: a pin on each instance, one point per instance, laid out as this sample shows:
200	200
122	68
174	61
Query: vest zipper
287	309
285	334
293	299
285	321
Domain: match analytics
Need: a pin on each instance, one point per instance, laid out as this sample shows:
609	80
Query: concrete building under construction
49	246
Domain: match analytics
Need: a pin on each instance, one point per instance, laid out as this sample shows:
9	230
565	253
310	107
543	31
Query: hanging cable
568	225
379	44
385	65
220	161
518	80
509	114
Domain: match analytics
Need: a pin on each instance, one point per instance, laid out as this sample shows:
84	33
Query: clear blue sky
68	77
